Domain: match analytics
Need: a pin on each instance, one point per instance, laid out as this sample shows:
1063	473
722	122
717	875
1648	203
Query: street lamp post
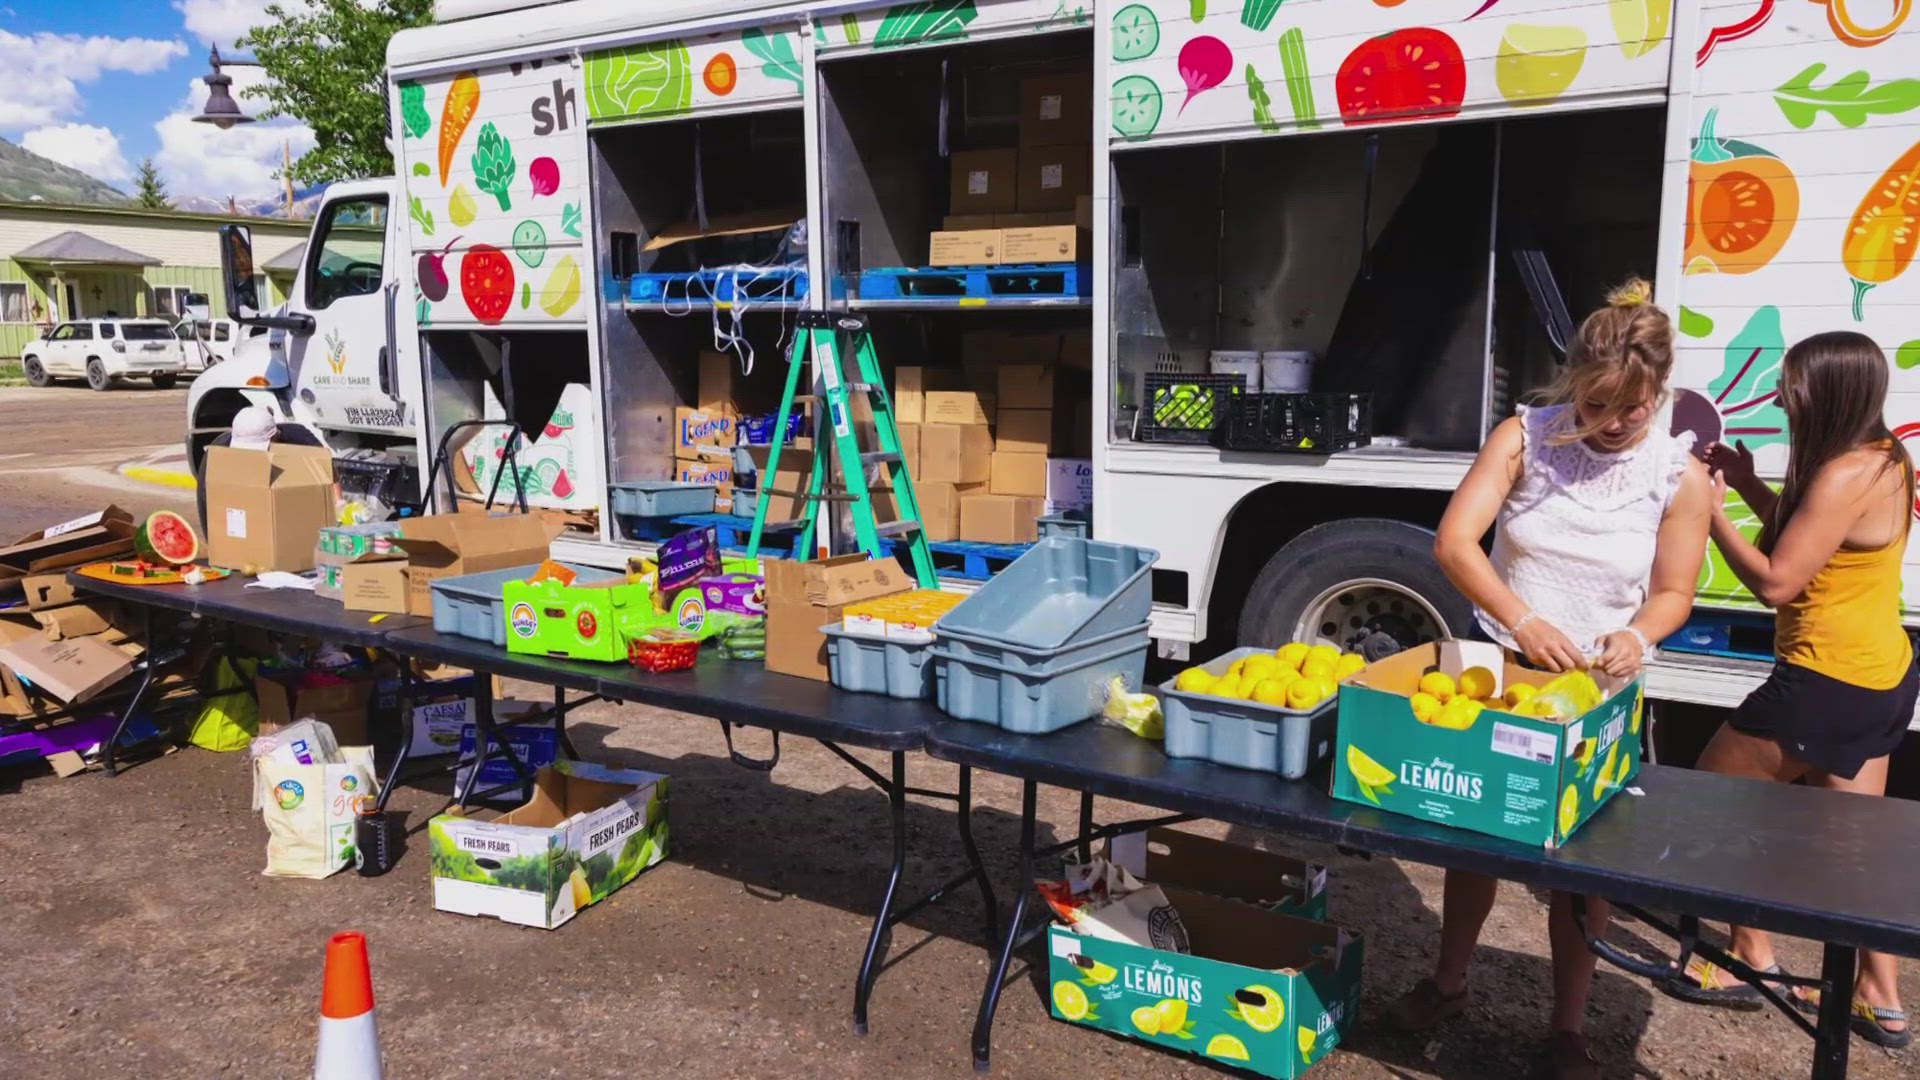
221	110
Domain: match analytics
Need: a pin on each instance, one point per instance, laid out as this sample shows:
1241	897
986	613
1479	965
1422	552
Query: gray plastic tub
472	605
662	498
871	665
1035	702
1246	734
1068	523
971	647
1062	592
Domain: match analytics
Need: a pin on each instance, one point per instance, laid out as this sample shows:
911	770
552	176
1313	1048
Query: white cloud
219	22
200	159
41	74
93	150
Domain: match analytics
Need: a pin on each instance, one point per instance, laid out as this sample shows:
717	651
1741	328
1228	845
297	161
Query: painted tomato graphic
486	282
587	625
1413	72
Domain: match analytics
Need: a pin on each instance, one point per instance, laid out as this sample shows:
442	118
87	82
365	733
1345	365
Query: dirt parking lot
143	941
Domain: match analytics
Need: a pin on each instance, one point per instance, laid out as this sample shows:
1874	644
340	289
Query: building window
170	301
13	301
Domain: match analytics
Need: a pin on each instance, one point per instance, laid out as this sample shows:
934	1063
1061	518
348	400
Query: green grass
11	374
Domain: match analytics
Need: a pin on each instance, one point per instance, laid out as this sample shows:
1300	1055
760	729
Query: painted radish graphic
1205	63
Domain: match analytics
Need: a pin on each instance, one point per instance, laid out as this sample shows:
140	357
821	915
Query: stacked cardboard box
1033	203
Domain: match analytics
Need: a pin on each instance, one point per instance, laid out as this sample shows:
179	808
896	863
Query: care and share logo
336	352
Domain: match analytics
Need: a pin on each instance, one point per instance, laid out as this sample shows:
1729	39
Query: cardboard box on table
448	545
802	597
375	583
587	620
267	507
1524	778
1257	990
586	831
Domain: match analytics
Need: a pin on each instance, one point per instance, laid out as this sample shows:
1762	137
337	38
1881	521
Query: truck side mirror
236	270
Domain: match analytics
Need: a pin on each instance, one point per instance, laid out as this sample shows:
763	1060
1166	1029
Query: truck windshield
145	331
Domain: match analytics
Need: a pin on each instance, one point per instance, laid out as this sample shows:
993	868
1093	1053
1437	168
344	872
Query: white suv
103	351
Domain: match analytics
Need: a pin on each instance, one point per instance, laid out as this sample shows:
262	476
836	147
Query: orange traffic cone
349	1043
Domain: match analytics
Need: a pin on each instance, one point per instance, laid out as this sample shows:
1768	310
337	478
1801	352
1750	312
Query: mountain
27	177
305	202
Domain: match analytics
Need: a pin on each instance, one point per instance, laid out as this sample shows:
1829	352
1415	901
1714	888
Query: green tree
325	64
149	192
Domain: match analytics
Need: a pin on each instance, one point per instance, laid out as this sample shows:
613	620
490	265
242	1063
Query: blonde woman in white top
1602	521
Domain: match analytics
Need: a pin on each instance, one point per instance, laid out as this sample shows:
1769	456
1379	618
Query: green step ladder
819	336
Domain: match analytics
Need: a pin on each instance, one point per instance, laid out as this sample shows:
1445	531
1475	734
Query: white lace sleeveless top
1576	537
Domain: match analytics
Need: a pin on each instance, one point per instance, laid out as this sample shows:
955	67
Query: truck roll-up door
1185	71
496	189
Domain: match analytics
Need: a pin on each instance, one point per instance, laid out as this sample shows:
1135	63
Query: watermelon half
167	539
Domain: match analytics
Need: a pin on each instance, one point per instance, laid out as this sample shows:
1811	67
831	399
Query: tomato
1413	72
486	282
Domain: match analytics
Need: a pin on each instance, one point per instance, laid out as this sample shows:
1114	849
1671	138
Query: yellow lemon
1234	669
1425	706
1477	683
1537	64
1569	809
1292	654
1306	1039
1069	1000
1173	1014
1331	653
1519	693
1259	665
1458	714
1261	1007
1271	692
1303	693
562	288
1348	664
1641	25
1318	667
1583	754
1146	1020
1226	1046
1228	686
1248	684
460	207
1439	684
1193	681
1639	707
1367	771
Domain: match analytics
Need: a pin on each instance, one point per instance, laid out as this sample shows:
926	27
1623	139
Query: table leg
483	736
401	753
560	722
1023	890
987	901
1832	1030
883	919
1085	846
108	756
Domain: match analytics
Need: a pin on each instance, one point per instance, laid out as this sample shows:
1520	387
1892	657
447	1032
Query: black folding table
1791	860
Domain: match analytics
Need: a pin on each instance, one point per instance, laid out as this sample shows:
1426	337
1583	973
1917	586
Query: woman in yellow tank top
1844	682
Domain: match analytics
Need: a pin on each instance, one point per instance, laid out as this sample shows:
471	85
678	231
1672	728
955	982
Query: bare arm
1679	548
1842	492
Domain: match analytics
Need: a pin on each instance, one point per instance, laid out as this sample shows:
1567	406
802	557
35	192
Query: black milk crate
1183	408
1301	423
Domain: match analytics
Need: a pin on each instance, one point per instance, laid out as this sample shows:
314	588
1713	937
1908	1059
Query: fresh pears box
1531	764
1255	990
586	831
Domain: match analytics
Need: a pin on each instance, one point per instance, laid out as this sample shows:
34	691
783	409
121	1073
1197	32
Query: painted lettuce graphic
777	51
413	109
493	165
930	20
655	79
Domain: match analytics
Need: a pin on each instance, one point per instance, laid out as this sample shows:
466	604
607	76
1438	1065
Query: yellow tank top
1846	625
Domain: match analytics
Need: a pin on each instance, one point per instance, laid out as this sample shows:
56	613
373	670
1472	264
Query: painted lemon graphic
1173	1014
1306	1038
1569	809
1069	1000
1477	683
460	206
1261	1007
1613	758
1641	24
1146	1020
1537	64
1095	972
1368	773
1226	1046
1639	707
562	287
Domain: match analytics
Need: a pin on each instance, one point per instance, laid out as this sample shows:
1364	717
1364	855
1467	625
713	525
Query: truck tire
1368	585
36	372
165	382
97	376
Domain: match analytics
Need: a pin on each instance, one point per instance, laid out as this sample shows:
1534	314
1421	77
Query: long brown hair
1833	387
1621	355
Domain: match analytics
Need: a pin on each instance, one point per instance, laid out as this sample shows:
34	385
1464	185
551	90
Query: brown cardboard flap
558	796
47	590
239	468
75	620
1237	933
1220	868
71	670
725	225
439	540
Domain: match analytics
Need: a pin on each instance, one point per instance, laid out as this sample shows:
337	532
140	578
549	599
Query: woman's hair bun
1634	292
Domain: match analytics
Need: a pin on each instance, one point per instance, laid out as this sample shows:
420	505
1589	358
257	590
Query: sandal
1869	1022
1706	983
1424	1006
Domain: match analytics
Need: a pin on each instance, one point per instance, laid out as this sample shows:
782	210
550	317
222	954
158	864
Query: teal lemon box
1257	990
1527	778
1201	864
586	831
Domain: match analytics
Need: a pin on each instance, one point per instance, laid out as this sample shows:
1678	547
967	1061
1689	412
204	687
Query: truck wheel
36	372
1368	585
97	376
165	382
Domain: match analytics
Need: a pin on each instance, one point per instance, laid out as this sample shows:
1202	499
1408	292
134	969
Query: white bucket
1285	371
1244	363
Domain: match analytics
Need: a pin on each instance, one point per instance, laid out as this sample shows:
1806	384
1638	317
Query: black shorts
1831	725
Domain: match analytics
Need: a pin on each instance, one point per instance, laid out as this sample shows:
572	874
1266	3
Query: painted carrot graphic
1885	230
463	100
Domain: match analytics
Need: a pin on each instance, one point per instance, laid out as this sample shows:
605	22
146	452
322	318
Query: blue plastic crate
985	284
1246	734
1038	701
871	665
662	498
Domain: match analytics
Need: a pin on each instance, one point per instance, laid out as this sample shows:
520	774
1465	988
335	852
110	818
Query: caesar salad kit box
1452	732
586	831
1244	986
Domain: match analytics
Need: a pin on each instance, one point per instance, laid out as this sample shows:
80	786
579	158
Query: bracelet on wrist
1646	647
1522	621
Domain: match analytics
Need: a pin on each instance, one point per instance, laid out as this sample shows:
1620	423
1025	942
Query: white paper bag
309	811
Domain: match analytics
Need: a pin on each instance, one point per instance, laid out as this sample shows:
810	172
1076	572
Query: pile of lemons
1294	676
1444	702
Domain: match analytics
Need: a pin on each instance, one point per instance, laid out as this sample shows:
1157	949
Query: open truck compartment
1391	262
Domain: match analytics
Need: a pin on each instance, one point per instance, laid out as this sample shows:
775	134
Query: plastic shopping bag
309	810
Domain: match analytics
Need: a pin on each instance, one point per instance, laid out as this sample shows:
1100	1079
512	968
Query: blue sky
100	84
